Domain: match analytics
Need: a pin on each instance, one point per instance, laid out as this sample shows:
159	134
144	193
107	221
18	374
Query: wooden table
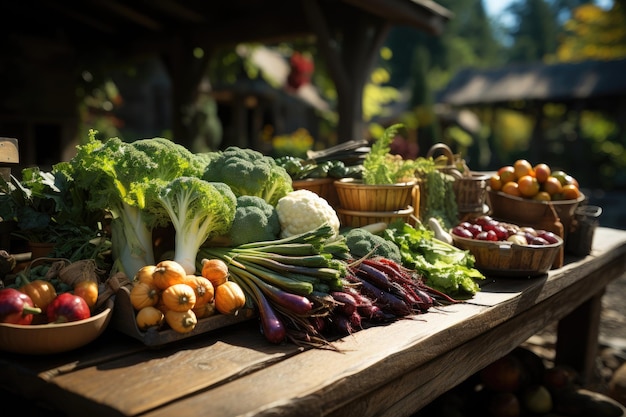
390	370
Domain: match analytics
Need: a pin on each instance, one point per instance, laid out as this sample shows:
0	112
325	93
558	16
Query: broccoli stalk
125	179
131	239
198	210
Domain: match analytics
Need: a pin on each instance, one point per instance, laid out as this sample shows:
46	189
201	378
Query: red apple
505	374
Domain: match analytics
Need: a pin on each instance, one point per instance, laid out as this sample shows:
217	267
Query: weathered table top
390	370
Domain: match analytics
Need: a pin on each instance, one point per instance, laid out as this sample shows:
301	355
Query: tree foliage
593	33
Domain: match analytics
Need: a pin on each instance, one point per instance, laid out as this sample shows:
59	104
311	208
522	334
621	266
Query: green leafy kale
444	267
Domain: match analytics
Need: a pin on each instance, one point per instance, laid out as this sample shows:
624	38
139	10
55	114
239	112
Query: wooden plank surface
385	367
387	370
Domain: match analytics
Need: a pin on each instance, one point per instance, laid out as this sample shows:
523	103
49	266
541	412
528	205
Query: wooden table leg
577	338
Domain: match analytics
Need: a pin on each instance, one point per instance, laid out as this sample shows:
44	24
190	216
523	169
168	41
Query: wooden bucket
324	187
351	218
356	196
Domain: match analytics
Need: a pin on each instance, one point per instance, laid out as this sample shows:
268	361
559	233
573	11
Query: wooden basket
469	187
123	320
350	218
509	259
528	212
324	187
356	196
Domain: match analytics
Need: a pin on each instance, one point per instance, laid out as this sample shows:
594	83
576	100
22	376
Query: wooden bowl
352	218
529	212
509	259
45	339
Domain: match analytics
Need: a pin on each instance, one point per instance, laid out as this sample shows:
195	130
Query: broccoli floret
249	172
362	243
255	221
174	160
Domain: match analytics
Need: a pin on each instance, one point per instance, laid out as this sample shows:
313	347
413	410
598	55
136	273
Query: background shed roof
593	81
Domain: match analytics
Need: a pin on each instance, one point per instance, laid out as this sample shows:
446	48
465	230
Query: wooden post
9	155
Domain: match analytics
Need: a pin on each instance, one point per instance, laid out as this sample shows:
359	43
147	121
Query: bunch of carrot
380	290
288	280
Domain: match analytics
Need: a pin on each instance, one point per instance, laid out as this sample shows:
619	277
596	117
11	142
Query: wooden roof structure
586	85
598	83
348	33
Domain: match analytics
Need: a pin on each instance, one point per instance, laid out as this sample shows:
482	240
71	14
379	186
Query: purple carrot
355	320
373	276
347	304
439	294
385	300
425	301
342	324
375	314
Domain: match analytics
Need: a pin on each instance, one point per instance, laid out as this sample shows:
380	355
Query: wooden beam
425	14
177	9
129	14
350	52
83	18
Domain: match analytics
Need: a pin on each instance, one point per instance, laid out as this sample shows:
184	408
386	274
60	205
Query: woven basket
356	196
509	259
324	187
351	218
469	187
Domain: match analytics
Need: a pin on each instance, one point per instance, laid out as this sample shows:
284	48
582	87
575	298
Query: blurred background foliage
414	66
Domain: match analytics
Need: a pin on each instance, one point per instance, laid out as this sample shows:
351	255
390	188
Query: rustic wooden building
45	44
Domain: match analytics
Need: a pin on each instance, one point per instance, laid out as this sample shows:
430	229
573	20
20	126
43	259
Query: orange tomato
522	168
511	188
570	192
88	291
542	196
542	172
552	186
507	174
495	182
528	186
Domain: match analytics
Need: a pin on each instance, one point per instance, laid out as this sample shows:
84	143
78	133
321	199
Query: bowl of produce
527	194
50	338
506	249
528	211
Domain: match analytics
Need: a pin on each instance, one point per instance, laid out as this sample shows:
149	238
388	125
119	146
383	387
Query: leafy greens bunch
444	267
146	184
380	167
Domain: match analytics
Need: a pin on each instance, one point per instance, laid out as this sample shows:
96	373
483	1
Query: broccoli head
249	172
255	221
361	243
173	159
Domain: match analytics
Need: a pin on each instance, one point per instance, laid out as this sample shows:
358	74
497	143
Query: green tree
536	31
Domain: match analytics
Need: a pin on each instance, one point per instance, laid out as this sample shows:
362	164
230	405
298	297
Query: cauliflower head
303	210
